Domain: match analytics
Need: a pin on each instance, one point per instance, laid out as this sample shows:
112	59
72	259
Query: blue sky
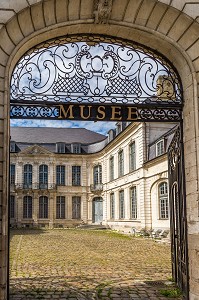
100	127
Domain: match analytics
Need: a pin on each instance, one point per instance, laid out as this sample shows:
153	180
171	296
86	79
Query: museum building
63	177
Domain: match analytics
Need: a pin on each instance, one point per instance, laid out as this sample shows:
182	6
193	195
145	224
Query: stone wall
171	27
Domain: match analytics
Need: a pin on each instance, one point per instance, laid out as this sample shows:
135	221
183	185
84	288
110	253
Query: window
12	206
112	206
12	174
133	197
76	148
12	146
97	174
60	175
27	179
43	176
121	205
111	135
76	207
27	207
76	175
160	148
118	128
163	201
132	157
61	148
60	207
43	207
121	163
111	164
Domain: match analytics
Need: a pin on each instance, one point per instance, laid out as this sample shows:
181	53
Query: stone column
51	209
35	175
84	212
90	209
19	199
50	174
35	208
19	173
69	206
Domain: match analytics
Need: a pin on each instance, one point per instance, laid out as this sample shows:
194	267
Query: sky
99	127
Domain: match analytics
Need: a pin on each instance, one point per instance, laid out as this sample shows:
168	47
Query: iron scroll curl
95	69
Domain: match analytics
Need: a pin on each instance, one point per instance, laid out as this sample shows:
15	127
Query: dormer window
118	128
160	148
61	148
12	146
111	135
76	148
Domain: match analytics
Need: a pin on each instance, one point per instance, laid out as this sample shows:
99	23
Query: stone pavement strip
84	264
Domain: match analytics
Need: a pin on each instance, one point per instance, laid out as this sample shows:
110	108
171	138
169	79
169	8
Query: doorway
97	210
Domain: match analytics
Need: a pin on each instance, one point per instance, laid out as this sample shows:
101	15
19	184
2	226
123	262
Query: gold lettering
101	111
82	112
63	113
116	113
132	113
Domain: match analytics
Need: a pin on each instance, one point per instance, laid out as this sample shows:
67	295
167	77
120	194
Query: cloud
100	127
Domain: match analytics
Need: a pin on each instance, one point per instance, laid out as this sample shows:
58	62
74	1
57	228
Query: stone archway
143	21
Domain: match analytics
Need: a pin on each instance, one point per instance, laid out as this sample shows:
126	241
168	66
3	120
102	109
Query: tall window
60	207
27	207
12	174
160	148
112	206
43	207
12	206
97	174
76	207
163	201
121	163
76	175
133	198
43	176
121	205
60	175
111	163
27	175
132	157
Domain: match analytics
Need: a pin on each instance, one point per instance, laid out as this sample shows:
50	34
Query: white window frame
161	150
112	206
121	163
61	147
111	168
132	157
133	202
163	201
121	205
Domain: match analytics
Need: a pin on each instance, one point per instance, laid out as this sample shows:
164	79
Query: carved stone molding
102	11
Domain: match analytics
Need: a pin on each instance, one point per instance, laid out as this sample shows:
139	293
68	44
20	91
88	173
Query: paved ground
83	264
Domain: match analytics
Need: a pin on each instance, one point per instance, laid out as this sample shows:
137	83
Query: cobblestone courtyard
83	264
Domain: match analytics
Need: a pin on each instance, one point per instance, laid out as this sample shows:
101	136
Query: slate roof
49	135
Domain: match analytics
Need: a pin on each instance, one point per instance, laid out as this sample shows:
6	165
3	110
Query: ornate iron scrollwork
99	69
174	151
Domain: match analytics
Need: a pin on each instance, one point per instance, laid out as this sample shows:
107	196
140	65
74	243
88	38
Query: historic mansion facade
70	176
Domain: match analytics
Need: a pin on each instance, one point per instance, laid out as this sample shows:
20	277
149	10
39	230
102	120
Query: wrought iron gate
177	195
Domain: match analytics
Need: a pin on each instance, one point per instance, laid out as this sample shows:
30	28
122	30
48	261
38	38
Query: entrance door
177	197
97	210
